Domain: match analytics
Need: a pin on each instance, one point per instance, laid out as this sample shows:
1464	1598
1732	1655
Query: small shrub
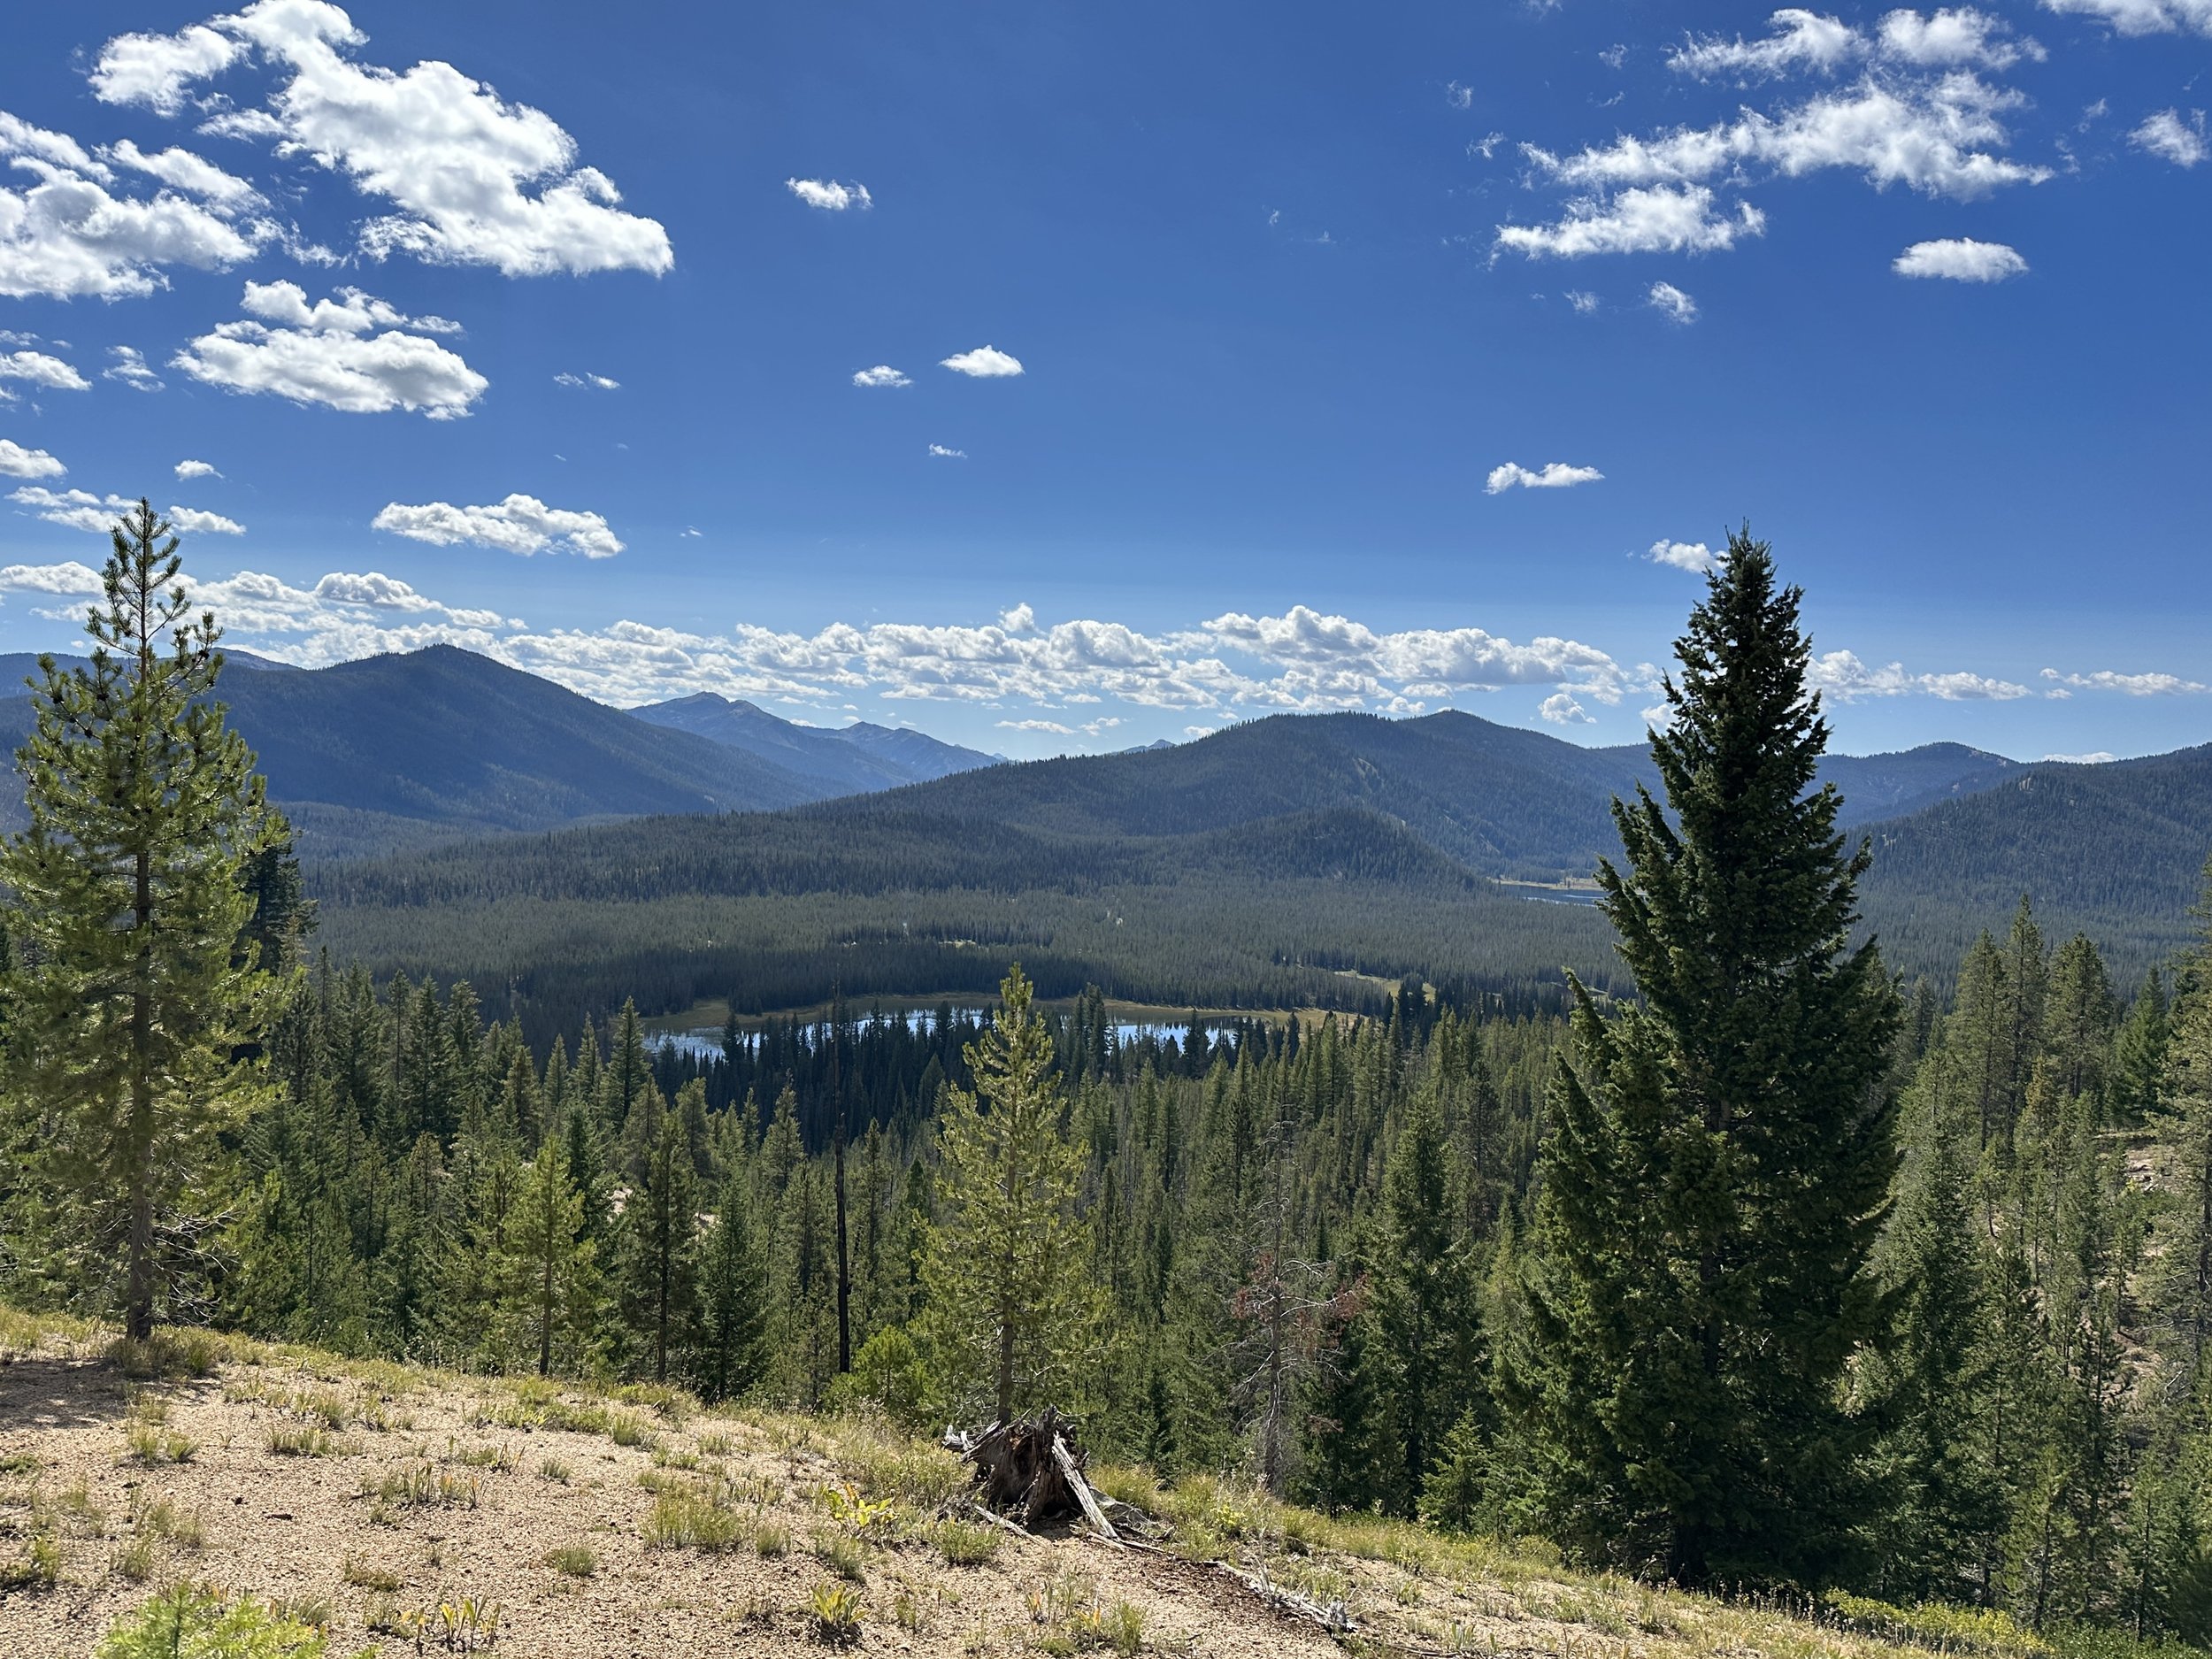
964	1544
841	1555
575	1560
684	1517
151	1444
134	1561
38	1568
365	1576
837	1610
195	1622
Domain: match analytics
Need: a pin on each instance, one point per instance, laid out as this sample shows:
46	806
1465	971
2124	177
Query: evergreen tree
659	1234
130	992
728	1351
1010	1298
549	1269
1717	1174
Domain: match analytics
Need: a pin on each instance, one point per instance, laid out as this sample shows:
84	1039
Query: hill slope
442	742
426	1486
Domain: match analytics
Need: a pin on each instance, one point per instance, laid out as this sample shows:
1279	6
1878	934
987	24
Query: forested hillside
843	760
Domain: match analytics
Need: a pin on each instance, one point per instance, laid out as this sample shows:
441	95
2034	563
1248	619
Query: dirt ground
403	1493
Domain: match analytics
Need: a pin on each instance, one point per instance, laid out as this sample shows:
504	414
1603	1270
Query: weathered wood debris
1030	1471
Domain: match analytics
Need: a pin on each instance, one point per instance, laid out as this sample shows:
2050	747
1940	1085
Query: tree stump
1030	1470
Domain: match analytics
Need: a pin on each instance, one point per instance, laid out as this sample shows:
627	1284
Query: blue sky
1400	359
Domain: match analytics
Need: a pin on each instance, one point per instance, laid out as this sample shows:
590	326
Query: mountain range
1271	859
402	751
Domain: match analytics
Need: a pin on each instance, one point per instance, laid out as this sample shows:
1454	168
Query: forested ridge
1783	1273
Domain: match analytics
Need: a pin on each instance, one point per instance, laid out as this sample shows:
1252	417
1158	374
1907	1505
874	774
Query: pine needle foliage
1723	1154
131	996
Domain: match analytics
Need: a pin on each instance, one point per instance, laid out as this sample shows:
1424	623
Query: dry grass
630	1520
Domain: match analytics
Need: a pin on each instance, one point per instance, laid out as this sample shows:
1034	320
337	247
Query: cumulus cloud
82	509
1960	259
828	195
71	231
2167	134
193	175
1841	675
1560	709
1659	219
984	363
1693	556
2095	757
192	521
2149	685
882	375
1053	727
18	462
330	353
944	453
130	367
1671	303
39	369
472	179
520	524
195	469
1554	475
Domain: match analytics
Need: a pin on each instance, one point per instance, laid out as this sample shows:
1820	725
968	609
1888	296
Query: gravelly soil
309	1527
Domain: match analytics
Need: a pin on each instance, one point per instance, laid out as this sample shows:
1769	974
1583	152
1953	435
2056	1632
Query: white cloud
1660	218
944	453
1584	303
597	382
192	521
130	368
1678	306
195	469
1802	40
1951	36
2167	134
2150	685
1020	619
2095	757
1560	709
1961	259
1938	135
1840	675
2144	17
195	175
1554	475
1053	727
58	581
39	369
18	462
520	524
155	69
984	363
475	179
829	194
82	509
326	354
882	375
1693	556
1458	97
69	234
